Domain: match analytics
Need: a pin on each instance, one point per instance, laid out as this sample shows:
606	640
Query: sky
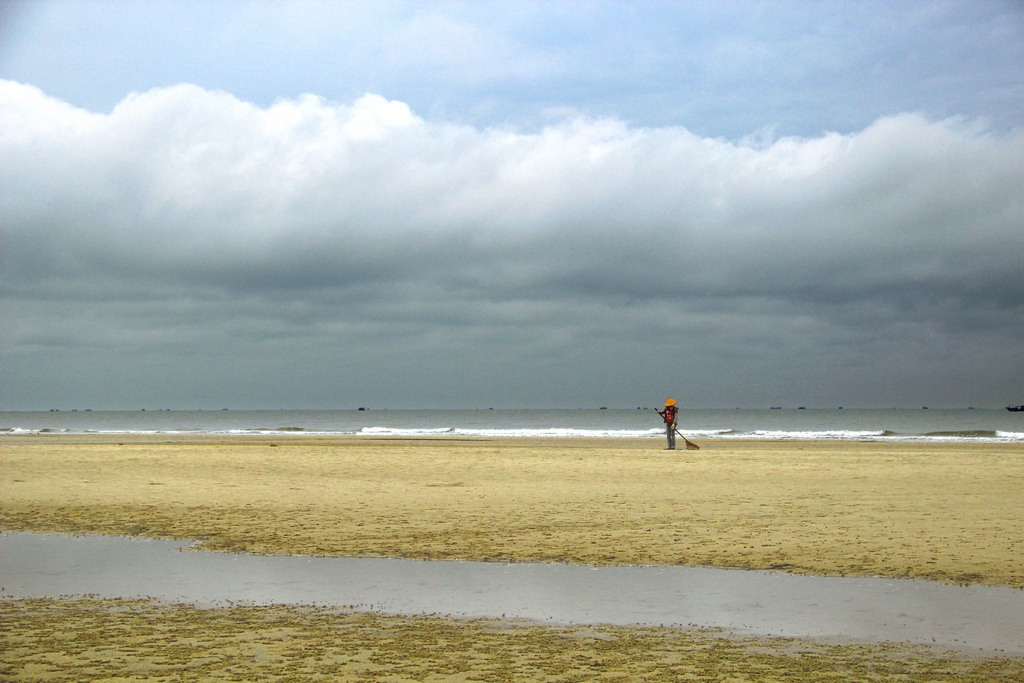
511	204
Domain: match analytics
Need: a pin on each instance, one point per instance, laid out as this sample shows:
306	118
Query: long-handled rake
690	446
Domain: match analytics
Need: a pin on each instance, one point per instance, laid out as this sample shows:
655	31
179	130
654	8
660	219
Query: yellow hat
670	402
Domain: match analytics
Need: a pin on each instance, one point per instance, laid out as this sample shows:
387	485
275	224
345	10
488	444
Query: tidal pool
746	602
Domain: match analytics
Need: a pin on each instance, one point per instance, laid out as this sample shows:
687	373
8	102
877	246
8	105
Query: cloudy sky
411	204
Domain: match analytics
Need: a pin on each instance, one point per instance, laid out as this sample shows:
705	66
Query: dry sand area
948	512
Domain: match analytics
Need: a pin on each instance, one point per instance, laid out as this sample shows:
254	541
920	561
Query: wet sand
946	512
75	640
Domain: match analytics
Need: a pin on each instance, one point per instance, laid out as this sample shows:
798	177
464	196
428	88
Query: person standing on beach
669	415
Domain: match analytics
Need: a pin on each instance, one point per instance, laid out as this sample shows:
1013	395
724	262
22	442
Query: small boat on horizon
1015	409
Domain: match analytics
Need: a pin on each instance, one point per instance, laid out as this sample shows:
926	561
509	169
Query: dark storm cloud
187	219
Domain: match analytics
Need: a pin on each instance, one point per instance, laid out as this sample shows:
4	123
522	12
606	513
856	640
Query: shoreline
927	439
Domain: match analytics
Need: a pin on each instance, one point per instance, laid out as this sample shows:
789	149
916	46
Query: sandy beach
946	512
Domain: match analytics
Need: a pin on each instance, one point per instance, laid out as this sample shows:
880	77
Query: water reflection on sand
752	602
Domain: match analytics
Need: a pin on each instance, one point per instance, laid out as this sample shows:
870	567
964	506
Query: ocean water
981	425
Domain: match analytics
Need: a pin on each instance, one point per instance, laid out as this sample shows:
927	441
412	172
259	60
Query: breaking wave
969	436
546	433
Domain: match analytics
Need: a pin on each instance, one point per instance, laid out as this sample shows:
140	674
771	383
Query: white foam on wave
395	431
279	432
703	433
142	432
549	432
564	433
998	436
872	435
826	435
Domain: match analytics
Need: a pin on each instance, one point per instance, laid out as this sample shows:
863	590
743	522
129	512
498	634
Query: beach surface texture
945	512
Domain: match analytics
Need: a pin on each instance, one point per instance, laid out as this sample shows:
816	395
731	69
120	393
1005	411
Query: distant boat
1015	409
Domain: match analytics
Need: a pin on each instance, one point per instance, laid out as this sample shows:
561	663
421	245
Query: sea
921	425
